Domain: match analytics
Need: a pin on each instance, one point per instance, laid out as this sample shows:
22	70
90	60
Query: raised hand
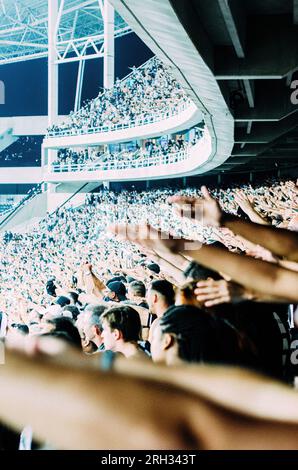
212	292
148	238
243	202
205	210
211	211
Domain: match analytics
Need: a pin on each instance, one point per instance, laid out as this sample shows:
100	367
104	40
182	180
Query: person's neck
173	359
139	300
127	349
160	309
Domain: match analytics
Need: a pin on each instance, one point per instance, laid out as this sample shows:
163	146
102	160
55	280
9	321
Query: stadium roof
24	27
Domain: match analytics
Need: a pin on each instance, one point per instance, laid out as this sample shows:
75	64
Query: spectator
91	326
122	331
136	293
185	333
161	296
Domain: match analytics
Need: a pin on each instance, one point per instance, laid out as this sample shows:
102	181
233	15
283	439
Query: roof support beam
251	150
74	25
101	7
52	66
274	60
250	92
3	7
265	133
23	44
272	102
27	28
79	88
109	45
234	19
248	131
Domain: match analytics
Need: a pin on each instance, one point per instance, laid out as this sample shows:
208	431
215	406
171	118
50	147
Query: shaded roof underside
251	48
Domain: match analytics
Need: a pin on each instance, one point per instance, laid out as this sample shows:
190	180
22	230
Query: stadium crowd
96	287
148	91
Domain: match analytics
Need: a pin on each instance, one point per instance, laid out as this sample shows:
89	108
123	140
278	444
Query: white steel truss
79	33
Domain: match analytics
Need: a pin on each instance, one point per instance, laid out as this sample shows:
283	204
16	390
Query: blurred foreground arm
147	407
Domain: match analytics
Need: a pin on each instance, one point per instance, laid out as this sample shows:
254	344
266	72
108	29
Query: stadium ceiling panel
24	27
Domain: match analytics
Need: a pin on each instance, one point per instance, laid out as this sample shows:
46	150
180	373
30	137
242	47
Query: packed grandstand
169	304
148	93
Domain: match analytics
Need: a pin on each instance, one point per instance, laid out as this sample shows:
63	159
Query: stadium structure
242	108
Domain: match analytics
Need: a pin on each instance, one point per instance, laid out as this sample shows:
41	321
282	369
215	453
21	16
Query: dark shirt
266	325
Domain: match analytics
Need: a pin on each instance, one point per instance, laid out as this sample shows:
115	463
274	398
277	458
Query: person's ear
155	298
97	330
167	341
117	334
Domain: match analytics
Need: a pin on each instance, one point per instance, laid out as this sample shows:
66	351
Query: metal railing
157	117
141	162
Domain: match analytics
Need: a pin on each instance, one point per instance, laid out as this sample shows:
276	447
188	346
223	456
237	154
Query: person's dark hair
198	272
138	288
166	289
75	312
62	301
74	297
51	288
64	328
218	244
187	290
20	327
154	268
202	337
125	319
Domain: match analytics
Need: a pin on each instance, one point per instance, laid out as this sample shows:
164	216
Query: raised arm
281	242
257	275
247	207
94	286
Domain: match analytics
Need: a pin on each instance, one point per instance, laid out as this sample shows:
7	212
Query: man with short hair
160	297
136	294
90	326
121	331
